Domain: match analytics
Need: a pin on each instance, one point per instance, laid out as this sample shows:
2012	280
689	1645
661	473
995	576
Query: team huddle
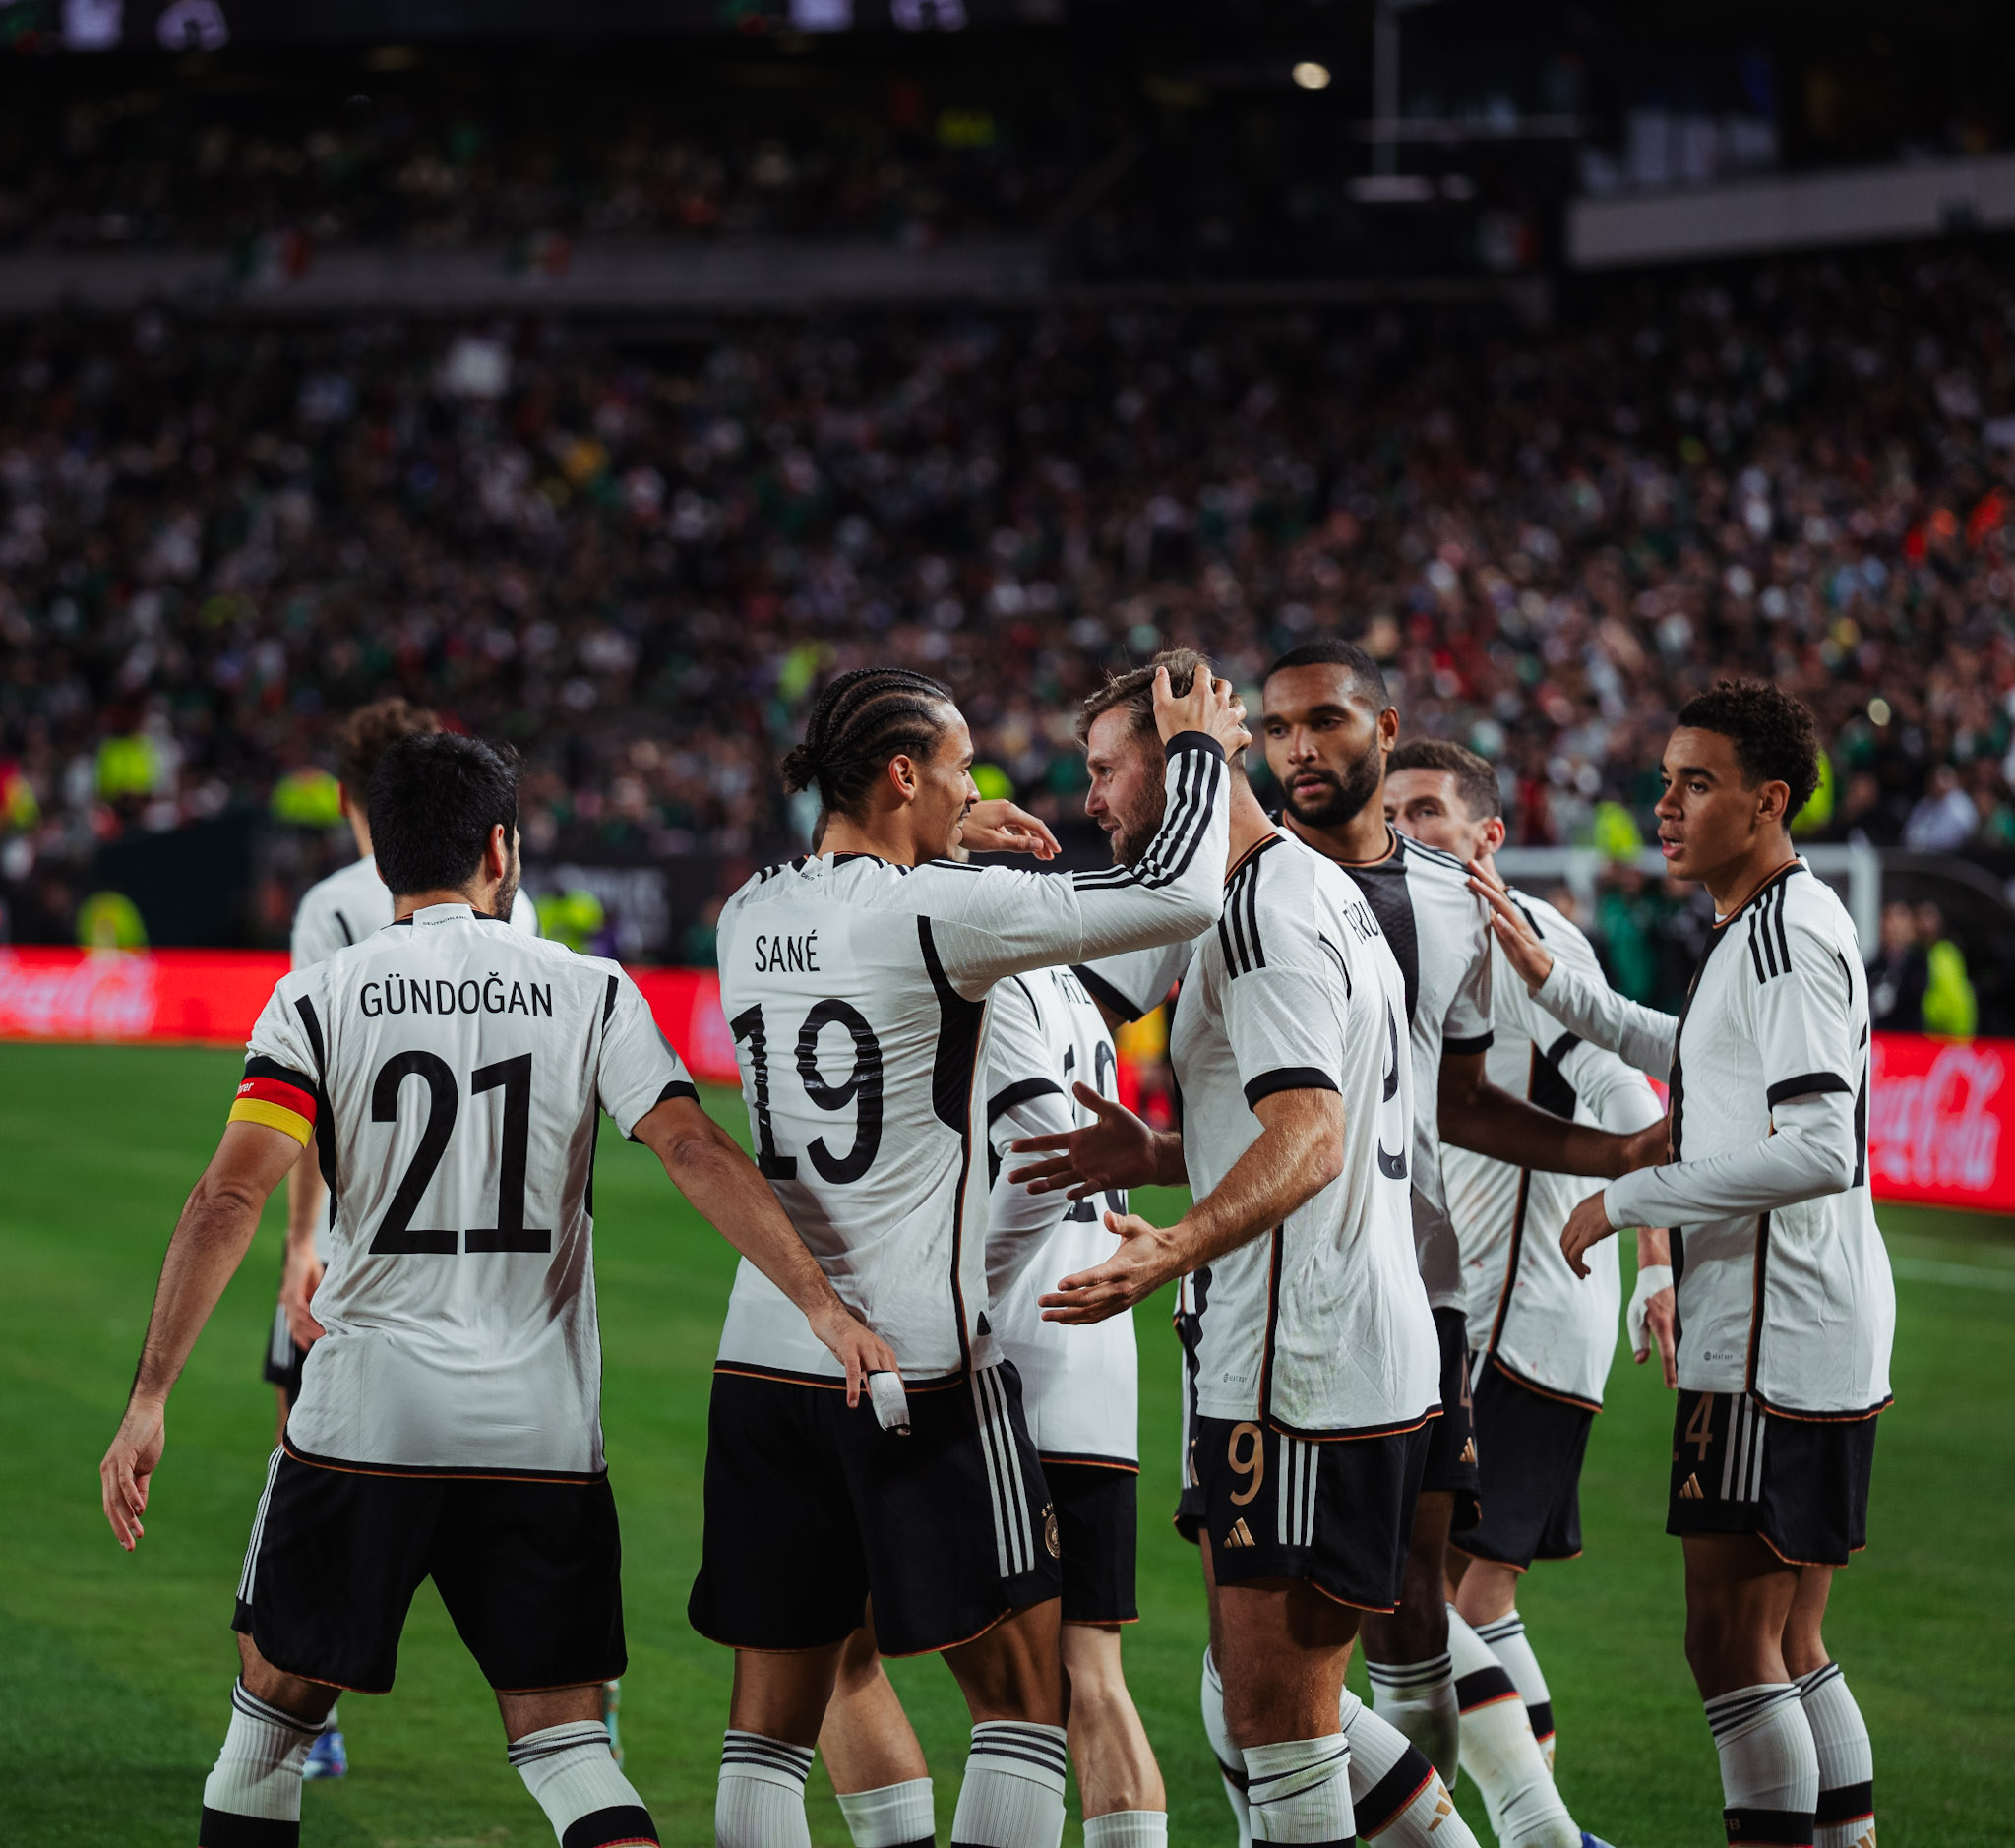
1410	1114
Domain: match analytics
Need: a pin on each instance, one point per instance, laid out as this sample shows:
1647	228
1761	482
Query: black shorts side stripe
250	1570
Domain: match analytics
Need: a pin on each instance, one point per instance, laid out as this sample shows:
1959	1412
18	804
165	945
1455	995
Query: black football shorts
1530	1449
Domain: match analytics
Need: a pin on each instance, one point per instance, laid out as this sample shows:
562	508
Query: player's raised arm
272	1121
1582	1002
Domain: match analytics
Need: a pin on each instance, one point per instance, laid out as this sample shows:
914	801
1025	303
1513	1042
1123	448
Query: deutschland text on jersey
857	992
450	1071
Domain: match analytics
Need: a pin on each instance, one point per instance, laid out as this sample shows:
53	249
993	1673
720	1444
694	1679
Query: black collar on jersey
1251	854
1769	886
1394	850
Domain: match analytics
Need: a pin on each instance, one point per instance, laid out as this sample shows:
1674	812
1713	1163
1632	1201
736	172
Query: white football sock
1398	1797
1846	1814
1769	1765
575	1779
897	1815
1508	1643
1231	1762
761	1802
1013	1796
1300	1791
1419	1700
1500	1753
1127	1828
255	1788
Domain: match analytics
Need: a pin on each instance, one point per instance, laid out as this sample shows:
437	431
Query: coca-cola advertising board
1941	1113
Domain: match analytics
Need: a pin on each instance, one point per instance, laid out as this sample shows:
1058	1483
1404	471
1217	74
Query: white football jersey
1320	1327
452	1071
1784	1290
344	908
1080	1385
354	902
1440	935
1528	1313
858	994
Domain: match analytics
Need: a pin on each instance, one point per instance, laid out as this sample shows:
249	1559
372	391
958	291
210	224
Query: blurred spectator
1945	819
1626	919
1686	922
1949	1006
1898	974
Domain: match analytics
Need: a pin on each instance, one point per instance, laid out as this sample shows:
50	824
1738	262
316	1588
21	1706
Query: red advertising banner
1941	1116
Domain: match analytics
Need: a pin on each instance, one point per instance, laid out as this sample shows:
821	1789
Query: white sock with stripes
1299	1791
1507	1642
1500	1753
1418	1699
1013	1796
574	1778
256	1783
1230	1761
1127	1828
761	1802
897	1815
1769	1764
1847	1761
1398	1798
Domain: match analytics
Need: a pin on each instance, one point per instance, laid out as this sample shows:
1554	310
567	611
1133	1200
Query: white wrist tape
890	1403
1651	1278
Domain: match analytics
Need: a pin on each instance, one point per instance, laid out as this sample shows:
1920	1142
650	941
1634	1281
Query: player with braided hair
857	983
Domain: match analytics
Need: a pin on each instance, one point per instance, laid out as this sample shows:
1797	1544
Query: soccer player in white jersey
1786	1307
1329	724
858	983
449	1074
1542	1339
1315	1359
1079	1392
333	913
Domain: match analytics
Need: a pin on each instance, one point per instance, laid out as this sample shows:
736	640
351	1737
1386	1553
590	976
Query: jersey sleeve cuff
1020	1093
678	1088
1463	1048
1288	1078
1806	1084
1194	741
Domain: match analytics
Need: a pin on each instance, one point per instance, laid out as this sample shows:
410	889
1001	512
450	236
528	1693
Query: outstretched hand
1211	706
997	826
1145	1260
1520	942
1116	1149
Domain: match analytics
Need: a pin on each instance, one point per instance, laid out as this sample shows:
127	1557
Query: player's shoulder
1282	901
1795	911
356	887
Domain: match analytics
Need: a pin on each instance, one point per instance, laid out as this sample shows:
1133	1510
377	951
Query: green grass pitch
114	1670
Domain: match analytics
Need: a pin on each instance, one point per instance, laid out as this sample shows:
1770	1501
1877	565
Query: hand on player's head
997	826
1211	706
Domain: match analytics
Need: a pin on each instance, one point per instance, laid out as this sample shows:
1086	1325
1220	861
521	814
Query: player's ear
1772	799
1493	834
902	776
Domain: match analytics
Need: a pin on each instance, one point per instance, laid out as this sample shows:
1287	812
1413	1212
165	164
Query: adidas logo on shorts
1468	1452
1240	1536
1692	1491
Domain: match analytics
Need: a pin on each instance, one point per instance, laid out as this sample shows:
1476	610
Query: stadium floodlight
1310	76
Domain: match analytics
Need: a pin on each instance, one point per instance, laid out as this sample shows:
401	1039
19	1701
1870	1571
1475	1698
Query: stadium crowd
637	563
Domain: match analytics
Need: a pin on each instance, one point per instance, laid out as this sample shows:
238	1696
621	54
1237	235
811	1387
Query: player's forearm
1811	1153
1291	1162
1640	1036
1494	1123
1654	1247
709	1168
212	1236
1176	888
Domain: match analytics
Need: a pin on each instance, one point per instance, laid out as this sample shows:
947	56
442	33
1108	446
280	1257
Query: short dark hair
865	718
1476	782
1334	652
1774	736
1135	691
369	732
434	799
